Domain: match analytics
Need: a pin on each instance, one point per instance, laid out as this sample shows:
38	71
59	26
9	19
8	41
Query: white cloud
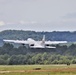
2	23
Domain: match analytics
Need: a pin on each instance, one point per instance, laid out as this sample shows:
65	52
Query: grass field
44	70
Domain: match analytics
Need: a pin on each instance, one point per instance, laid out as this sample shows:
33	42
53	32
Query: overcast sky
38	15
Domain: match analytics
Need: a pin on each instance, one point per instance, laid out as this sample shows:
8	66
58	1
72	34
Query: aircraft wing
17	41
55	42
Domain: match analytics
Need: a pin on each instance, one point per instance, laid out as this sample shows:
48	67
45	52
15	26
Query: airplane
36	44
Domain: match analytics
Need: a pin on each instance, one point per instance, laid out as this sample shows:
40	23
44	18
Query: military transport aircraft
36	44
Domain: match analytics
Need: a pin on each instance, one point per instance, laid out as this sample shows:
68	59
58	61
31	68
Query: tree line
23	35
9	55
40	58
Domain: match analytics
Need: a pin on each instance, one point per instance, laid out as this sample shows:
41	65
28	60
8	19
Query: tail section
43	38
43	41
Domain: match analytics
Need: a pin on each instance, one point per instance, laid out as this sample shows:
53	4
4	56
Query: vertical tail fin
43	38
43	41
